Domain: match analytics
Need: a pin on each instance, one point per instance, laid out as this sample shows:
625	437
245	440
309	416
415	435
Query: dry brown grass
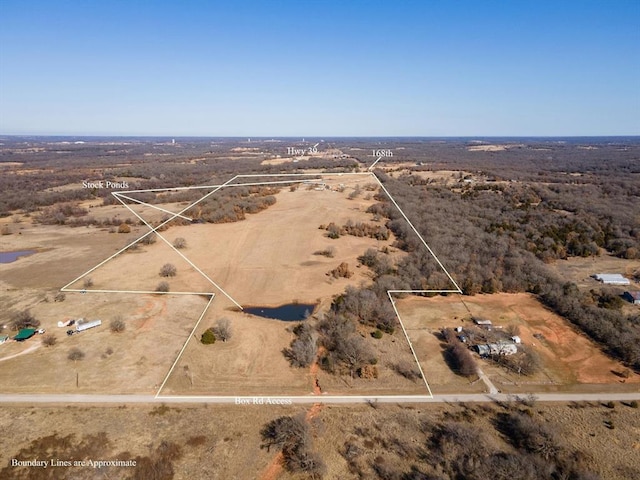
156	328
267	259
221	442
570	361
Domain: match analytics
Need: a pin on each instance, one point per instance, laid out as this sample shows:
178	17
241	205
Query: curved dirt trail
273	471
33	347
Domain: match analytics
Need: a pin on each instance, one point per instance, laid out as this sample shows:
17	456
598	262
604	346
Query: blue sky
320	68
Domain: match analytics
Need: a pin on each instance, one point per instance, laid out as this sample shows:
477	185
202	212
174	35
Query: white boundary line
225	185
85	290
182	255
206	308
324	174
418	234
404	330
253	184
228	183
389	292
324	399
423	291
374	164
118	195
145	235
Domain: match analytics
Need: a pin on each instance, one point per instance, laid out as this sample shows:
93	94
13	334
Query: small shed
24	334
612	279
516	339
481	322
3	338
633	297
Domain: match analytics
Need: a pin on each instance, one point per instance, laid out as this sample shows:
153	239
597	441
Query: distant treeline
491	240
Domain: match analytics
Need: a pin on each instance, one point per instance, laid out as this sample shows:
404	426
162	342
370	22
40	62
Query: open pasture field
570	361
268	259
133	361
580	270
271	259
252	362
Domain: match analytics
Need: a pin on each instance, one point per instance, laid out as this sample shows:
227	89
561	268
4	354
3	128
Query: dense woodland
500	239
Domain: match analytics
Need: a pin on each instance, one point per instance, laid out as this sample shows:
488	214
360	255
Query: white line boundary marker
458	290
153	230
374	164
124	195
404	330
206	308
119	195
182	255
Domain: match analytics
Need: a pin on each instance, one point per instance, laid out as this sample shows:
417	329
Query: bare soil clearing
571	362
580	270
423	320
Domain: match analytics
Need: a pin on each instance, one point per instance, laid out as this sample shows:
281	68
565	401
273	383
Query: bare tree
329	252
284	430
513	330
168	270
49	340
222	329
458	355
75	354
407	370
303	349
88	282
180	243
355	352
293	436
163	287
149	239
117	325
24	319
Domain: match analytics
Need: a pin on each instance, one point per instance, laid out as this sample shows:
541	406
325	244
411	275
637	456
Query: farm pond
290	312
9	257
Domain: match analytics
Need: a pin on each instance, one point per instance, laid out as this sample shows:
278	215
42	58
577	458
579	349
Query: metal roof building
24	334
612	279
633	297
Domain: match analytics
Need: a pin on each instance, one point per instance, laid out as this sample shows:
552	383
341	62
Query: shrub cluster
292	435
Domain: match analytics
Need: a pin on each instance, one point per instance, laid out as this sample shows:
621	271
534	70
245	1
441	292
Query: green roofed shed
24	334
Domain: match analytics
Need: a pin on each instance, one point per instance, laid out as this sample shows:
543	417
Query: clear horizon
336	69
320	137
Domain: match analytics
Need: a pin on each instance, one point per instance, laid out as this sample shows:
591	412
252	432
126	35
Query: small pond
291	312
8	257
